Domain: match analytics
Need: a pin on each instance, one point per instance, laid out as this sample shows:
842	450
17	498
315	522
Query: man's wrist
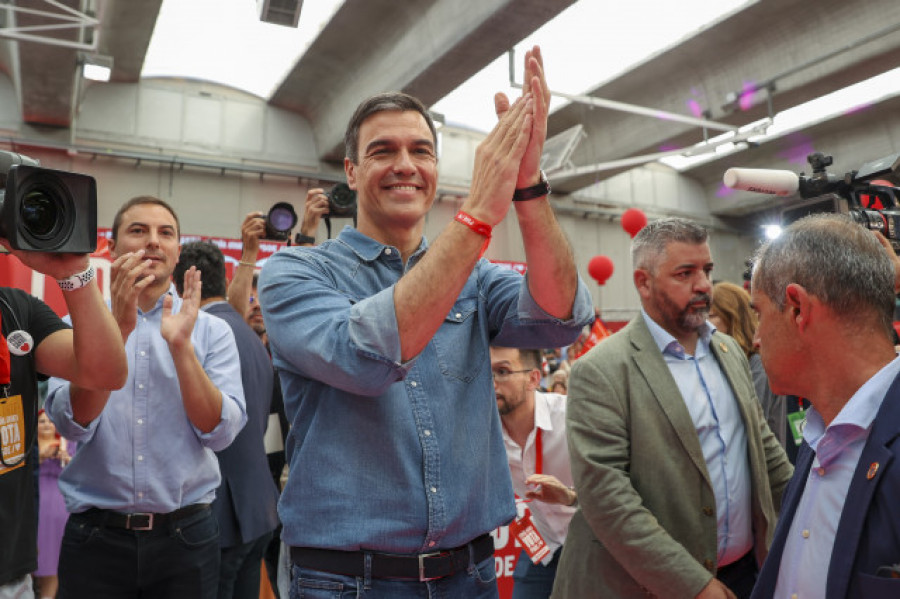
78	280
538	190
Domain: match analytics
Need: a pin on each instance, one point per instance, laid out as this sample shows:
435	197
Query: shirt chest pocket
459	342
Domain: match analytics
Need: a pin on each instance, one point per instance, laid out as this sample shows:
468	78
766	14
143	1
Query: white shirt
551	520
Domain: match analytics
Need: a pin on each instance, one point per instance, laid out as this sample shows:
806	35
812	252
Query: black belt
427	566
141	520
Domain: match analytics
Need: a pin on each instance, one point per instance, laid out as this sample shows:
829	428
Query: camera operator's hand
252	230
176	328
315	208
894	258
128	279
58	266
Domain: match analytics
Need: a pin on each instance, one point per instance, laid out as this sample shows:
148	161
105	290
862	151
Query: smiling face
152	228
676	294
396	176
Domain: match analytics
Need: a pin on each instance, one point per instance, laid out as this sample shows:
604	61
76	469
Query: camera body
341	201
46	210
869	196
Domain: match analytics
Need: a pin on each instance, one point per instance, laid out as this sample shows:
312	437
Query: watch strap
541	189
78	280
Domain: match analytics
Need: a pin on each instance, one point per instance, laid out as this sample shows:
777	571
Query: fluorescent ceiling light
96	67
843	101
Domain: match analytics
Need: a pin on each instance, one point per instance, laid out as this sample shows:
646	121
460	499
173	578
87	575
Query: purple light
745	102
800	147
724	192
694	107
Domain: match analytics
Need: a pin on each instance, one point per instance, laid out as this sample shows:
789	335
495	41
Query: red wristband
480	227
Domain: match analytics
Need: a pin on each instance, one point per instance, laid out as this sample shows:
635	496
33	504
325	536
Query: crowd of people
411	403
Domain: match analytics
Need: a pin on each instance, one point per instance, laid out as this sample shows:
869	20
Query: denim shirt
142	453
390	456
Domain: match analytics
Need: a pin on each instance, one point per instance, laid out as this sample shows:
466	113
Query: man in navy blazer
825	291
245	504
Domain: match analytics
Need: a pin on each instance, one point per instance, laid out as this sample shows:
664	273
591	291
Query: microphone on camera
759	180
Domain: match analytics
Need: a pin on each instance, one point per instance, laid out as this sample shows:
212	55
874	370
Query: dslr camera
870	196
45	210
341	201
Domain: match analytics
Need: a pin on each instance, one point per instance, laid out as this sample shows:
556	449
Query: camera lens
282	219
40	214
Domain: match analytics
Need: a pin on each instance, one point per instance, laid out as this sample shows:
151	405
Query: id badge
12	433
529	538
797	421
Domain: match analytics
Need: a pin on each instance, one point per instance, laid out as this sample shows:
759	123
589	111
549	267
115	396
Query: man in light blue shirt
140	485
824	291
397	465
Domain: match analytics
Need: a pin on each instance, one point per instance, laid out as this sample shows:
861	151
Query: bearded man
677	474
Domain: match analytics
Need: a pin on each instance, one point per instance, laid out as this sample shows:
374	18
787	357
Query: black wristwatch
300	239
535	191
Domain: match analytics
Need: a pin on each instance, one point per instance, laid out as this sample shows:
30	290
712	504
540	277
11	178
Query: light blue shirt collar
667	342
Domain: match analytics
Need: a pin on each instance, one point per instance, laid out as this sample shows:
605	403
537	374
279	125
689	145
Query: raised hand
58	266
129	278
315	208
535	85
498	162
252	230
176	328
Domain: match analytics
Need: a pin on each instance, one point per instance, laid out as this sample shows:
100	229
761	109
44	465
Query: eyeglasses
501	374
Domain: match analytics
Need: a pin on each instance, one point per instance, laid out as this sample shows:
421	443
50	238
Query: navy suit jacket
868	533
246	502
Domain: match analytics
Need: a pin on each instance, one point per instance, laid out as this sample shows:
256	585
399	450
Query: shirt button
427	433
708	511
805	534
821	471
140	458
413	384
140	493
708	564
387	251
140	421
431	544
140	385
434	489
143	353
458	315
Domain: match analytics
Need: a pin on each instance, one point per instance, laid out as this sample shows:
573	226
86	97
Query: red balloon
633	220
600	268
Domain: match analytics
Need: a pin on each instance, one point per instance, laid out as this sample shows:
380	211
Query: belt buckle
147	526
422	557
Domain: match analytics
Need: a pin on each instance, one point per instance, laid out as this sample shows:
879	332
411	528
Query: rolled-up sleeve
221	364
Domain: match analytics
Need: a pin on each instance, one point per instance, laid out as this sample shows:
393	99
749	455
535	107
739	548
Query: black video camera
869	196
45	210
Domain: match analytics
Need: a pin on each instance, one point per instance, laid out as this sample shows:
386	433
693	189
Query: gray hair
649	246
395	101
836	260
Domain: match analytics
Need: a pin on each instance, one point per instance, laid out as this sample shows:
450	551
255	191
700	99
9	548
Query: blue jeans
177	560
477	582
534	581
239	572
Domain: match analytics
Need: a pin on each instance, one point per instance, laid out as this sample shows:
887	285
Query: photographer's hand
252	230
894	258
315	208
58	266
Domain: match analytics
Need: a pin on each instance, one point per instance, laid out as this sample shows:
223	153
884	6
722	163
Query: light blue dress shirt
720	428
810	541
142	454
390	456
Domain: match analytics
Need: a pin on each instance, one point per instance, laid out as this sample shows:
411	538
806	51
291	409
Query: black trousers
178	559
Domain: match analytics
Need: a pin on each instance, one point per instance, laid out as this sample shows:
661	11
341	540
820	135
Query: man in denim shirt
397	465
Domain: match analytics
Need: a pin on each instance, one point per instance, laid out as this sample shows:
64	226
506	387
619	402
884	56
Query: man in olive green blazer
648	523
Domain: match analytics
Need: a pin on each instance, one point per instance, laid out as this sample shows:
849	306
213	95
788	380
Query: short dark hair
209	261
117	221
531	358
396	101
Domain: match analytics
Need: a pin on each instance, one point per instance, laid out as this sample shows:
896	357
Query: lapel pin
723	347
873	470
